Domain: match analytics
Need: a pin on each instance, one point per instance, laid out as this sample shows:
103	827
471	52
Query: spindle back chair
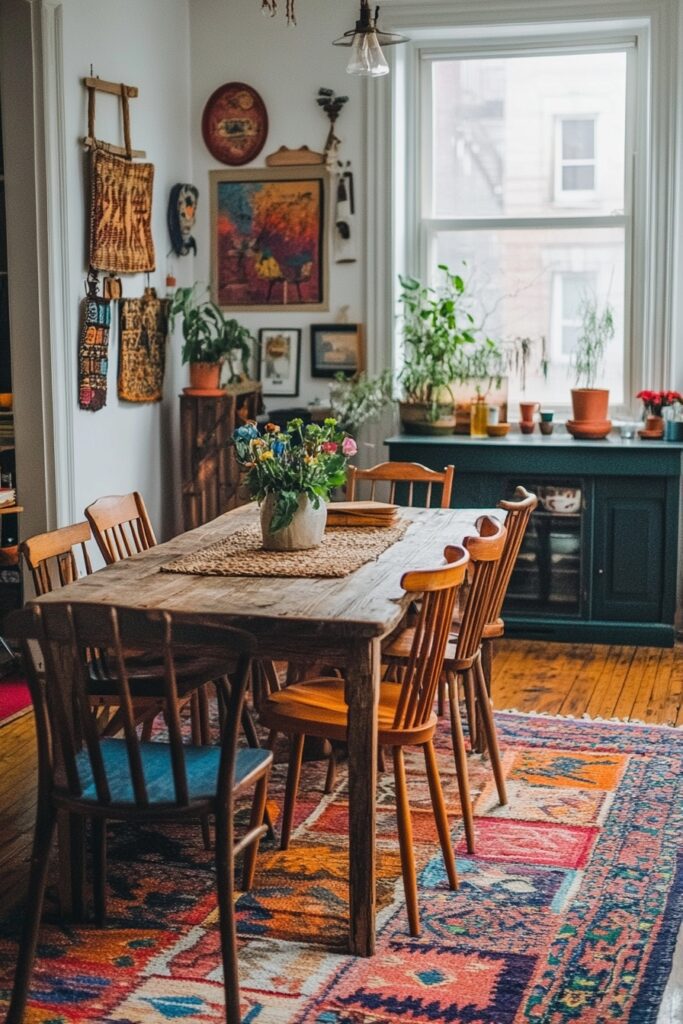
52	557
85	775
120	526
403	476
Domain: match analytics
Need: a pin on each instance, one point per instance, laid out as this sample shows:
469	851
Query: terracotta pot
306	529
416	418
528	410
590	404
654	424
205	376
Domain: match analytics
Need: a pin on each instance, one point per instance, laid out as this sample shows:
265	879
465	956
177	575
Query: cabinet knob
601	572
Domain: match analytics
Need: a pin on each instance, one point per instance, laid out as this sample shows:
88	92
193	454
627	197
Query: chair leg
331	776
484	702
293	774
251	735
405	839
225	883
471	705
460	757
440	815
440	695
77	864
204	722
258	814
42	841
196	734
99	870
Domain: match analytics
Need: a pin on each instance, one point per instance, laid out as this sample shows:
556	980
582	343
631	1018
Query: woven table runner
241	554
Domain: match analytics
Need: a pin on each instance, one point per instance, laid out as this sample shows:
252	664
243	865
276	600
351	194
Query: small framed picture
280	360
335	348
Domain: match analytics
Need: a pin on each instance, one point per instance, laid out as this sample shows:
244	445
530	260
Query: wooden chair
403	475
317	707
127	779
47	554
462	655
121	526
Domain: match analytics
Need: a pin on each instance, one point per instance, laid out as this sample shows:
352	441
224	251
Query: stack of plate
362	513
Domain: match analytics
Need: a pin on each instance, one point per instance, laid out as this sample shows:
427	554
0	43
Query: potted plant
480	381
291	473
654	402
435	329
209	340
357	400
590	404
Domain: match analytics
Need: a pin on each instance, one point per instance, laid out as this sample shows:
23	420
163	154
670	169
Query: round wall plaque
235	123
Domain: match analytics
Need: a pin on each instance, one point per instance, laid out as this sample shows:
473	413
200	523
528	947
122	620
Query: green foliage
597	330
209	336
356	400
440	339
288	463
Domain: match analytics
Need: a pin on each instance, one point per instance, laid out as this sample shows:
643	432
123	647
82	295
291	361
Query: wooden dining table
340	621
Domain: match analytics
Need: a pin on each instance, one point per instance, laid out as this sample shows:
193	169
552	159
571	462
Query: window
524	178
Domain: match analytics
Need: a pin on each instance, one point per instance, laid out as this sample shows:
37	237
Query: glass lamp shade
367	59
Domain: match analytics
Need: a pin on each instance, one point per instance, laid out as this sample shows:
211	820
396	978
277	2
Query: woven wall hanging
142	347
120	196
93	350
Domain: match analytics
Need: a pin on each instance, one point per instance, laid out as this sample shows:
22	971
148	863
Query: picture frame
336	348
269	239
279	361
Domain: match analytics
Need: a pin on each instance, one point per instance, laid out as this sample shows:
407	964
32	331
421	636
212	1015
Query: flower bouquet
291	473
654	402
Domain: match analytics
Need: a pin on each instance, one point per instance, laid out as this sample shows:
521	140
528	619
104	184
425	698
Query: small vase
306	529
654	425
205	376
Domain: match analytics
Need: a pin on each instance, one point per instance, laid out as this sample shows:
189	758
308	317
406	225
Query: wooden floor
643	684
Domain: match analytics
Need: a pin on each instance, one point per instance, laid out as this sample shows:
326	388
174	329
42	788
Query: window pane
496	146
578	139
531	283
578	178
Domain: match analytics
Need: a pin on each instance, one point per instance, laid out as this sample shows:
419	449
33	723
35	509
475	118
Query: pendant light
366	42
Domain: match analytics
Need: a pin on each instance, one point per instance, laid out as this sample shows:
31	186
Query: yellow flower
257	443
265	455
310	460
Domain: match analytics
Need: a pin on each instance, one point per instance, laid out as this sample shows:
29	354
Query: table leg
362	694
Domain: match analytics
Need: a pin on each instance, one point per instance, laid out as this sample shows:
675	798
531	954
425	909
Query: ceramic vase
306	529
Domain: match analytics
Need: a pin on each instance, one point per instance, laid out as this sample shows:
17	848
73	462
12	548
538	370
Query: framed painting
269	244
280	361
336	348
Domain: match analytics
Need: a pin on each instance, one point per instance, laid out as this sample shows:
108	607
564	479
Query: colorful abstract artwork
567	913
269	241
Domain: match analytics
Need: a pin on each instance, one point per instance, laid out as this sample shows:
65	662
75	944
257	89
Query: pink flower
349	447
329	446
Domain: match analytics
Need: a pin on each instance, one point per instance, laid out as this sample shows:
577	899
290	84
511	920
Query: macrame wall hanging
142	347
270	7
120	193
93	349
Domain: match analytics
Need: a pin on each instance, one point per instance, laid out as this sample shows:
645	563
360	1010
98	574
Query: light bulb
367	59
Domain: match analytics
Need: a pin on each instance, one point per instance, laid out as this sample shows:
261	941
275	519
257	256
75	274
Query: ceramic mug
547	415
492	415
527	411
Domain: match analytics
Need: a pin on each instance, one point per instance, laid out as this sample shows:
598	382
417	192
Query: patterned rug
14	697
568	912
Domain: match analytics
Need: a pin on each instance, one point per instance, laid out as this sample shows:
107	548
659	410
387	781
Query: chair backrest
68	736
420	679
120	525
406	475
519	513
52	557
485	549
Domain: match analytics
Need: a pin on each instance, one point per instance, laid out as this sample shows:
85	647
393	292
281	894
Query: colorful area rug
14	697
568	912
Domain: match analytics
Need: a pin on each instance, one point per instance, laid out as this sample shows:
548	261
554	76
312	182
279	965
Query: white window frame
655	312
429	226
572	197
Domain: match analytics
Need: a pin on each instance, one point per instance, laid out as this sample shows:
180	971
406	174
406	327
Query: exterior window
524	179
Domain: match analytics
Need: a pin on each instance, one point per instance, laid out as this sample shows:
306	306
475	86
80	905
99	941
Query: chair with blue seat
89	776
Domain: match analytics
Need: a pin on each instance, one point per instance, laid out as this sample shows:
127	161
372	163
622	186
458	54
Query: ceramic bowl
497	429
561	499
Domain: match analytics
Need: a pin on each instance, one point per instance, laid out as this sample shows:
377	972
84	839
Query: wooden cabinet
604	570
210	475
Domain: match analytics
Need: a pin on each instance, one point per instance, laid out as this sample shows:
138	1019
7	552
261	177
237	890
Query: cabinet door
628	551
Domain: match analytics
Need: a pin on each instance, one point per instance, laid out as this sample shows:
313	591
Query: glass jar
478	417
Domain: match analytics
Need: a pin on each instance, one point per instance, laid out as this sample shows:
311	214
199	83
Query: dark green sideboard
600	560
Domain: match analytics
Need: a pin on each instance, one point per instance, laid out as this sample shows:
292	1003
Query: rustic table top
368	602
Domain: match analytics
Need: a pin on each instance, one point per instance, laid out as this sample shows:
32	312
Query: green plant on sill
208	336
357	400
597	330
436	331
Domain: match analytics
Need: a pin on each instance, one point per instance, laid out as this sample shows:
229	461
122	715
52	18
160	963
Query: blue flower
246	433
278	447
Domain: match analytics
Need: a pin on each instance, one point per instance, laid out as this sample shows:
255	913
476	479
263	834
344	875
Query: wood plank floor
643	684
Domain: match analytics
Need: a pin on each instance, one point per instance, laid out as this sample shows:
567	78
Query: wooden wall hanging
120	194
142	348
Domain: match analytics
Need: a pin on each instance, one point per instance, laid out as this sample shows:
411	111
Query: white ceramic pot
306	529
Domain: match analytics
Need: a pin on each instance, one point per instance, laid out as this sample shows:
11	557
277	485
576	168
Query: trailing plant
208	335
518	352
288	463
356	400
597	330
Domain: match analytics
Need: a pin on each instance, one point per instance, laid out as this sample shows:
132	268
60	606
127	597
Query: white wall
232	41
127	446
